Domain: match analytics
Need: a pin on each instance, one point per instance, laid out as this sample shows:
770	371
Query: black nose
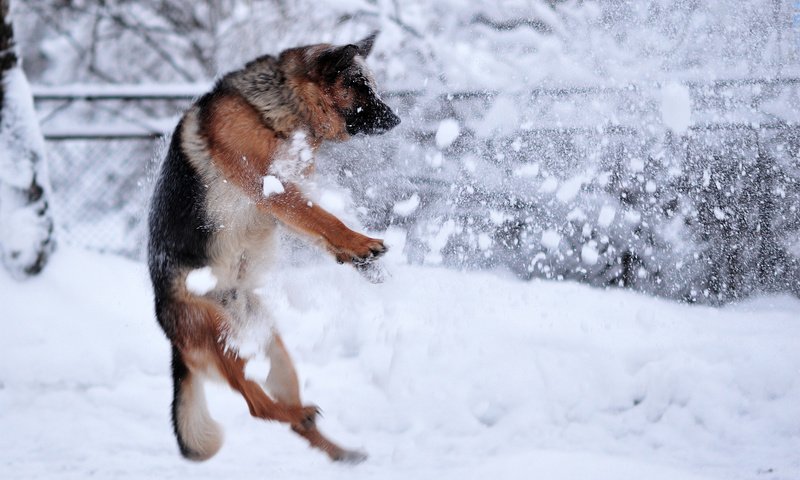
390	120
373	119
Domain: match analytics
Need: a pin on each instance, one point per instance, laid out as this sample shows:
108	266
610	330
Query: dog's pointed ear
365	45
334	60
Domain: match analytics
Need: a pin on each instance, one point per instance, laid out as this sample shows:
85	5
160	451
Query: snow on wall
25	222
20	136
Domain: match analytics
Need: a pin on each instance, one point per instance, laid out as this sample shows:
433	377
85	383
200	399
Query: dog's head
341	72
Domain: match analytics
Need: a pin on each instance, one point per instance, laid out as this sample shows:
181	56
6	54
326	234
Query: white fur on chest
243	241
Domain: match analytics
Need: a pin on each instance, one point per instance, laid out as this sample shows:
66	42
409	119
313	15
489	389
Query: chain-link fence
103	146
100	191
707	214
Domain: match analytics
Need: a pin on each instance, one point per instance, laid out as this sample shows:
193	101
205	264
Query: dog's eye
355	81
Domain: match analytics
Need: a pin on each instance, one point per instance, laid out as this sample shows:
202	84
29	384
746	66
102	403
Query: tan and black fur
209	210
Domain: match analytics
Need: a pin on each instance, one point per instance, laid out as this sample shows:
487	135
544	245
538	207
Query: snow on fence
688	191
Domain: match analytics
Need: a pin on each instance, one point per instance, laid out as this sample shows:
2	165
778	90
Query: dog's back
178	224
179	236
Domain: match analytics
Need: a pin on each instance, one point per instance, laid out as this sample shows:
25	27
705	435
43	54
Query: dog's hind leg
232	367
282	381
199	436
283	385
205	352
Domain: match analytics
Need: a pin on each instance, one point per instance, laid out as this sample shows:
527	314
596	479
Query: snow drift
436	373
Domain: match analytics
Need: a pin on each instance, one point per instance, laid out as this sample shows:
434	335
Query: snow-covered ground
436	373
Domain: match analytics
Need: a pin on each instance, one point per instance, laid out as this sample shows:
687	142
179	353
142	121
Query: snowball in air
606	216
271	185
589	253
676	107
551	239
447	133
406	207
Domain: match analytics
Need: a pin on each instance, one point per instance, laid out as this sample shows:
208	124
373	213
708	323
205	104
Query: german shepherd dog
212	209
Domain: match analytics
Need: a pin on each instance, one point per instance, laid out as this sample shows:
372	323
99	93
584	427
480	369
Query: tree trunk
26	226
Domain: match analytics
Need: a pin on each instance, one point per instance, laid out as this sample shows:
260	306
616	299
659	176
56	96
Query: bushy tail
199	436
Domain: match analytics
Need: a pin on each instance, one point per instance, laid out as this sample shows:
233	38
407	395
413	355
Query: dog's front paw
374	249
359	250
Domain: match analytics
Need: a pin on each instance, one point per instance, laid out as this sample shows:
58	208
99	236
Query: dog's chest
243	243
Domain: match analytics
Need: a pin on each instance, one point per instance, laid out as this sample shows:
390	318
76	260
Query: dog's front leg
293	209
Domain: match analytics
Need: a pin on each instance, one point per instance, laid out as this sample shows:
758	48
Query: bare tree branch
135	27
505	25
